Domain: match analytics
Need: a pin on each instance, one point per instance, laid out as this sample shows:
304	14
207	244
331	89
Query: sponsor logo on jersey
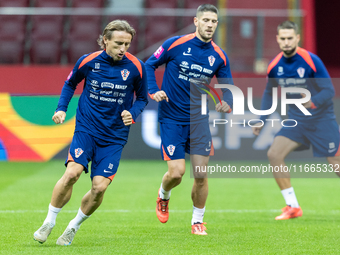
97	65
171	149
69	76
197	67
120	86
106	92
107	85
125	74
78	152
188	52
183	70
120	101
301	72
211	60
280	71
208	71
158	52
184	64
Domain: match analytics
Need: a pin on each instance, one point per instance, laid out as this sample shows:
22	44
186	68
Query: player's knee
273	155
99	189
175	175
176	171
70	177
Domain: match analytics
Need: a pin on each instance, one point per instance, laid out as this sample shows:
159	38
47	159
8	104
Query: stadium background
40	40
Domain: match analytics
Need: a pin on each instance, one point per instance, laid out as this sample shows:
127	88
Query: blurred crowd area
54	32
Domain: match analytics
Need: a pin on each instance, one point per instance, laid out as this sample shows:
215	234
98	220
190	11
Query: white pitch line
171	211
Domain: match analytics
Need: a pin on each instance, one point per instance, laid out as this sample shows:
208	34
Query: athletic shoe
43	232
199	229
162	209
67	237
289	212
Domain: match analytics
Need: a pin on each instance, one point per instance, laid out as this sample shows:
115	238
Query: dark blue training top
188	60
304	70
109	89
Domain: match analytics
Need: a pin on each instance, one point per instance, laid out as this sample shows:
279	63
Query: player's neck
201	38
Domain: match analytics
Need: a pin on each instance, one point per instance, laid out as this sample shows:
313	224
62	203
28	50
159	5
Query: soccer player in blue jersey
296	67
106	109
187	57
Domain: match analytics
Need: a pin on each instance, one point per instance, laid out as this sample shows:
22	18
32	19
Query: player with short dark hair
296	67
190	61
106	109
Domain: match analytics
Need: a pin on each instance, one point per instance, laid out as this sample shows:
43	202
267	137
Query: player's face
288	41
119	43
206	24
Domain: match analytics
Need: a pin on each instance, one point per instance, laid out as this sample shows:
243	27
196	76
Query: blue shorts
105	156
323	135
180	139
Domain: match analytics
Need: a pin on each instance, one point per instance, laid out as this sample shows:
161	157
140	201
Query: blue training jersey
190	62
109	89
304	70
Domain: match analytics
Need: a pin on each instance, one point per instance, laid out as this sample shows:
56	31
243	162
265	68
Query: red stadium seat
45	52
11	52
158	29
12	27
47	27
161	4
50	3
78	48
88	3
85	27
194	4
14	3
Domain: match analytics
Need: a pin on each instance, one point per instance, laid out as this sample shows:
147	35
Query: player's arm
266	103
224	76
323	82
160	57
70	85
141	91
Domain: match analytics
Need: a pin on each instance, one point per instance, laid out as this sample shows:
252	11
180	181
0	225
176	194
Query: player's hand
160	96
127	118
224	107
257	128
59	117
307	104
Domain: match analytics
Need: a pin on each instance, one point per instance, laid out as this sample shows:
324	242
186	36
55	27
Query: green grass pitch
240	214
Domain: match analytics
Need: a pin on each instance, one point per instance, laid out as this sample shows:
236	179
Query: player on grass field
296	67
187	57
106	109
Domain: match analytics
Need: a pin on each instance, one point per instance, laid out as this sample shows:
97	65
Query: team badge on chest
211	60
125	74
301	72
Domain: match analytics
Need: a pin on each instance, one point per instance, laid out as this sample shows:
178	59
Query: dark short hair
206	8
116	25
288	25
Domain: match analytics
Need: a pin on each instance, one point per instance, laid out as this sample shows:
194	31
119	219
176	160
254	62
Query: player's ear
298	37
196	21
